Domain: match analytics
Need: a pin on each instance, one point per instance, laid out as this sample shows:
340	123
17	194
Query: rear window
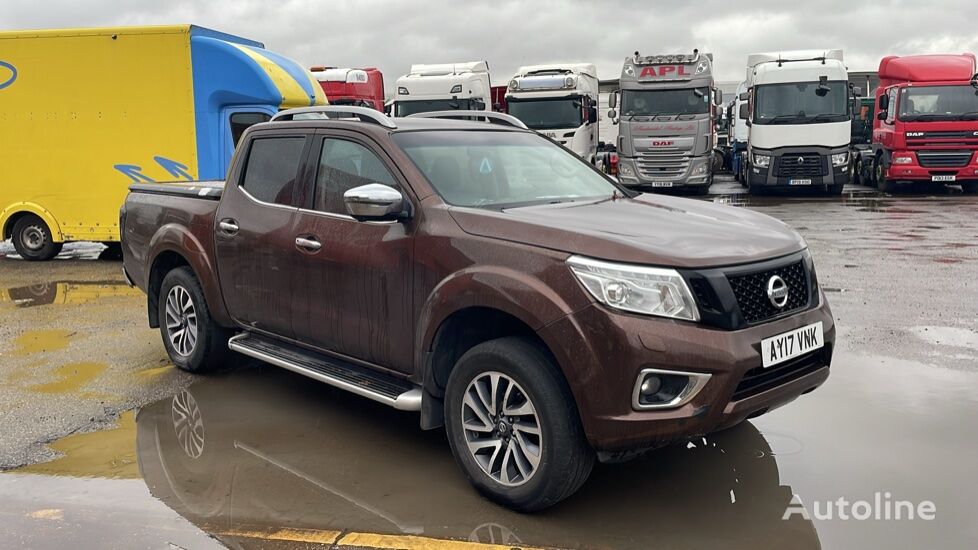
273	165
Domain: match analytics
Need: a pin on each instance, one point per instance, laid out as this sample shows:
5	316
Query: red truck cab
926	123
356	87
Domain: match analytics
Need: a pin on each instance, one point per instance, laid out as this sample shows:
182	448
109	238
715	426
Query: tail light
613	164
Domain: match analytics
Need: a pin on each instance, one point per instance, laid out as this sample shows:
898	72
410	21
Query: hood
823	134
650	229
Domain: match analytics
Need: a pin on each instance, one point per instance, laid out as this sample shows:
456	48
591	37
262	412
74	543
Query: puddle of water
66	293
948	336
37	341
71	377
107	453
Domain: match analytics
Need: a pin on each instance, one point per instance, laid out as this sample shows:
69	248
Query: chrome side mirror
374	202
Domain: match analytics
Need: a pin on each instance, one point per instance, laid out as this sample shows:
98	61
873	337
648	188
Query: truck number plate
800	182
942	178
788	345
661	184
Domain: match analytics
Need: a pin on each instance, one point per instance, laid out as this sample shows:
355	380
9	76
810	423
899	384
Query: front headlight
762	161
625	169
639	289
700	169
906	159
840	159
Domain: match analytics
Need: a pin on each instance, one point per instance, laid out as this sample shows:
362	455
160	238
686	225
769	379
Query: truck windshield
410	107
493	169
959	102
688	101
801	103
548	114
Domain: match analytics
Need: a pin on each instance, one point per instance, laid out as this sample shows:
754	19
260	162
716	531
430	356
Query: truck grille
944	159
760	379
662	164
750	290
800	165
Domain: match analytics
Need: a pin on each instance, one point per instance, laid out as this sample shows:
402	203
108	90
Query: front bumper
776	175
697	174
610	349
913	171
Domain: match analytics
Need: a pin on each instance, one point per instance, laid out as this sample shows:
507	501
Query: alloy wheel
181	320
502	429
188	424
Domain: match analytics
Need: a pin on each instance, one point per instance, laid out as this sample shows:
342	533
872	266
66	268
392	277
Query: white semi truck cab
560	101
449	86
667	122
799	116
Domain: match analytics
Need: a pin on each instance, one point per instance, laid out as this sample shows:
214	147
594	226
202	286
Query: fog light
664	389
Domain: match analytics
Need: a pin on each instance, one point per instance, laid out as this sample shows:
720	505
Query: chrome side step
391	391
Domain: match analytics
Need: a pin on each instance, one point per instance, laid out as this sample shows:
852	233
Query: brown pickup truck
488	278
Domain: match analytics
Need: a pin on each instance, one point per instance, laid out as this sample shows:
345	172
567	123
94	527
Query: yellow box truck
86	112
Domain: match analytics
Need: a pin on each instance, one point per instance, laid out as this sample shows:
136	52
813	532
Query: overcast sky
393	35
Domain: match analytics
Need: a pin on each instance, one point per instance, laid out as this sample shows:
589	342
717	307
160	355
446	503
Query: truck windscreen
548	114
688	101
938	103
801	103
405	108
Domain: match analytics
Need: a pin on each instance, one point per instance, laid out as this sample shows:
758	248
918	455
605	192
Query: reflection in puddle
37	341
71	377
66	293
266	449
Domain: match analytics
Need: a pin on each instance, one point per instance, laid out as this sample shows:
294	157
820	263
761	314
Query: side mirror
884	102
613	100
881	115
612	114
717	97
374	202
743	113
744	96
857	91
478	104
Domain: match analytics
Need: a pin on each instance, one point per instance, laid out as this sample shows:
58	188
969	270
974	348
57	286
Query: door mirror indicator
374	202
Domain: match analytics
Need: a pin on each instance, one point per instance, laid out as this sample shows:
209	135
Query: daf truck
561	102
156	103
449	86
798	111
926	123
667	121
357	87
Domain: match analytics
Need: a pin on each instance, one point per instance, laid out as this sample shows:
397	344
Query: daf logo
777	292
921	134
801	160
975	133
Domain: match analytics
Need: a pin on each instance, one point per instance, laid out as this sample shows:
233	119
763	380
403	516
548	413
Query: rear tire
33	240
194	342
536	455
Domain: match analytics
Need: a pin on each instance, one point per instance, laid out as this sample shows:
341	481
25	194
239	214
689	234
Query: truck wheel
194	342
33	240
879	176
513	425
835	190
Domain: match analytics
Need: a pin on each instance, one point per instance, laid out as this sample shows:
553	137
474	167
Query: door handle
308	244
228	226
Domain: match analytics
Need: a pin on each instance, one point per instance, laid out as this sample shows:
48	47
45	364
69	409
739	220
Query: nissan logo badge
777	292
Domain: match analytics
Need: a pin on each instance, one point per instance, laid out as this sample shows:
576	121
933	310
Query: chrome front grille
944	159
662	164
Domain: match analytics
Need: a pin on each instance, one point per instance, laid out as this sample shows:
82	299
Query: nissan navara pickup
484	276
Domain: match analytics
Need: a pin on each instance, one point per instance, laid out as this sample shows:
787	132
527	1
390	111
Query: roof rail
337	112
491	117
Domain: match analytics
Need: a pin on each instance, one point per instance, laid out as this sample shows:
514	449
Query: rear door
254	240
353	288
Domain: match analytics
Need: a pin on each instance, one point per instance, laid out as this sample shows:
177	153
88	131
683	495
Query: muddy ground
258	457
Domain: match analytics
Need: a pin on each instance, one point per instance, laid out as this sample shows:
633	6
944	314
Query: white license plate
943	178
799	182
661	184
788	345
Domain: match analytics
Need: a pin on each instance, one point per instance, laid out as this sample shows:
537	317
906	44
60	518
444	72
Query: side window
241	121
344	165
272	169
891	111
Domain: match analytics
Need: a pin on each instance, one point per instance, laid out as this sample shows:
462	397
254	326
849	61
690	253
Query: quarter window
344	165
242	121
272	169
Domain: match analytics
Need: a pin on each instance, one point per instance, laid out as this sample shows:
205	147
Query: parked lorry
559	100
154	103
358	87
926	125
448	86
666	127
739	131
489	279
799	116
861	142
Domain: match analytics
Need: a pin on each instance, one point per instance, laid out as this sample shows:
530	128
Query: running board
391	391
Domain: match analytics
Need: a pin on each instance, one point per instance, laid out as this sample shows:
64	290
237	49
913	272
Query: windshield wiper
823	116
930	116
783	119
968	116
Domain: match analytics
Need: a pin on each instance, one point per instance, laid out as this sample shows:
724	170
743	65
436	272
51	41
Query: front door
353	288
253	233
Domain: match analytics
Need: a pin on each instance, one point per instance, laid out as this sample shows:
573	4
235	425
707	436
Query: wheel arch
13	212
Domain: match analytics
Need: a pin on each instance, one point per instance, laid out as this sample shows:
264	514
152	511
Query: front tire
513	425
194	342
33	240
879	176
969	187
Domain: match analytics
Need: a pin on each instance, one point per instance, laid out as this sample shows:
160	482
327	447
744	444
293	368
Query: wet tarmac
260	458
